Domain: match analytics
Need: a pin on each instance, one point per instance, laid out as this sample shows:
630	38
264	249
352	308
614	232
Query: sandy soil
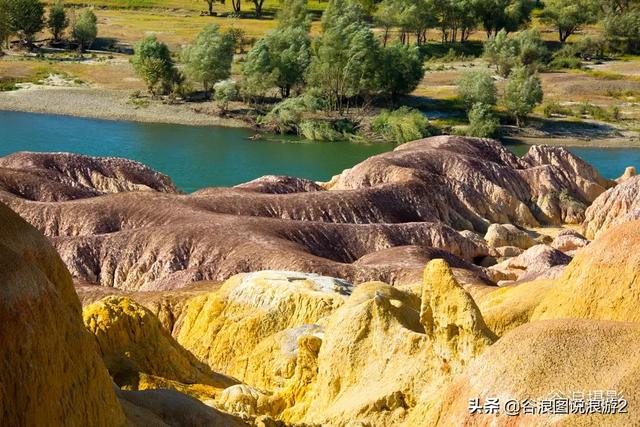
83	101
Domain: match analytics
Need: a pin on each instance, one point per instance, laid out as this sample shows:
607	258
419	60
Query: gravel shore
110	105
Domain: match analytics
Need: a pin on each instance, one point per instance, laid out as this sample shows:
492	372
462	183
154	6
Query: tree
501	52
522	93
58	20
25	18
400	70
152	62
224	92
482	122
279	59
622	31
455	17
209	58
345	63
85	30
257	5
5	29
504	52
569	16
477	87
508	15
294	14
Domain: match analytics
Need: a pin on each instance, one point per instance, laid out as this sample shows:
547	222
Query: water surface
197	157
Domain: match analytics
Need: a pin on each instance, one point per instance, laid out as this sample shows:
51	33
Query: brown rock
51	372
499	235
629	173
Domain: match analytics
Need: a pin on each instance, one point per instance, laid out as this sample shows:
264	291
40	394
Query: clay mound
280	185
477	180
417	195
617	205
64	176
133	342
51	372
539	359
602	281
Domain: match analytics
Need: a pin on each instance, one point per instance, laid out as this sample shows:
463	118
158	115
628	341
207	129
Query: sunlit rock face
617	205
380	220
51	372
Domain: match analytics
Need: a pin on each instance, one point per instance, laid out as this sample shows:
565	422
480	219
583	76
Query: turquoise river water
197	157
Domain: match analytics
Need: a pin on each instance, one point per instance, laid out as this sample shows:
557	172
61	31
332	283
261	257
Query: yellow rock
539	359
377	364
133	342
234	329
51	373
602	281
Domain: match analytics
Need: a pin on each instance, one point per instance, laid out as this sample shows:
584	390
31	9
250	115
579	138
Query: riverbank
108	104
119	105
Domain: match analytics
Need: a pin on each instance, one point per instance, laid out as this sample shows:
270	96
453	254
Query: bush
554	108
224	92
477	87
320	130
152	62
401	125
482	122
599	113
564	62
622	32
286	116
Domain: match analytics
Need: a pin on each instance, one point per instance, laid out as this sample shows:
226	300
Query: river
197	157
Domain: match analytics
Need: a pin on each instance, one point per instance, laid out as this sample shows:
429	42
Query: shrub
622	31
599	113
152	62
286	116
224	92
320	130
482	122
554	108
401	125
477	87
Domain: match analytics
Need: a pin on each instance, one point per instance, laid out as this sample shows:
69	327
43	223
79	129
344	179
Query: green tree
152	62
58	20
280	59
569	16
400	70
294	14
25	18
85	30
482	122
209	58
477	87
224	92
5	28
455	18
508	15
522	93
501	51
622	31
346	60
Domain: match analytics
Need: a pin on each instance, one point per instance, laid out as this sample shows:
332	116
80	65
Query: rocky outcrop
419	196
279	185
536	263
499	235
135	348
569	241
617	205
51	372
50	177
602	281
229	328
546	360
629	173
